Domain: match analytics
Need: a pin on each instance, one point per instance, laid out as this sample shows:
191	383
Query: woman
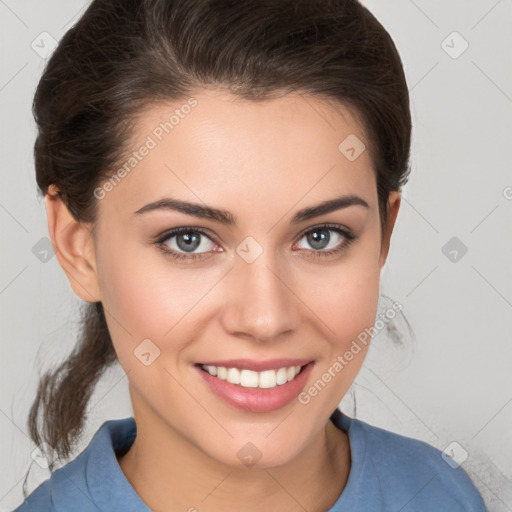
222	180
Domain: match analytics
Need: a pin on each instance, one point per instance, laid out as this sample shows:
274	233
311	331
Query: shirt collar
108	484
105	478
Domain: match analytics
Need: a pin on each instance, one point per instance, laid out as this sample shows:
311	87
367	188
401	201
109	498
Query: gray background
450	384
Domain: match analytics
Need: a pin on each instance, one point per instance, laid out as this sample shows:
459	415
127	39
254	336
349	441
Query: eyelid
326	225
160	240
161	237
165	235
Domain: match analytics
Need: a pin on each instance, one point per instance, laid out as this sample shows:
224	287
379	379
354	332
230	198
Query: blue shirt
389	472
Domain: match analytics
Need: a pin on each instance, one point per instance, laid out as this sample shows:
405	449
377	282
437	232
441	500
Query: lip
258	366
256	399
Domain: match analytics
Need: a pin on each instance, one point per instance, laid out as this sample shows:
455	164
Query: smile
256	385
252	379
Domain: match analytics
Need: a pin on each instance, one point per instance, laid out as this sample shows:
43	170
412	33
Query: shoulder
67	489
79	484
410	474
39	499
65	486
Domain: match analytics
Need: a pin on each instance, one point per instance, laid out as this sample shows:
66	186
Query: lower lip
257	399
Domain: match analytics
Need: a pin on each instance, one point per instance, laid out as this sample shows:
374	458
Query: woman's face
254	282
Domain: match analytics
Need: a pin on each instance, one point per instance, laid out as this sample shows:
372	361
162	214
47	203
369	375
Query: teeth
233	375
281	376
267	379
251	379
248	379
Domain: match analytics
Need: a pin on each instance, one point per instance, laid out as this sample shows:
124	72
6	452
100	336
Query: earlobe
74	247
393	207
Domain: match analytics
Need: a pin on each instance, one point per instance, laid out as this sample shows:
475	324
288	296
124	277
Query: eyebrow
227	218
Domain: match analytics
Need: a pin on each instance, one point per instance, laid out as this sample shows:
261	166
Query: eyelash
348	238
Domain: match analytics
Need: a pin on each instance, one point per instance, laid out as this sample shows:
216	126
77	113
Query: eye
180	243
323	243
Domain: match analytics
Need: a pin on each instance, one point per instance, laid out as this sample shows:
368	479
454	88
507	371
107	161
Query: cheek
345	298
144	297
132	295
346	310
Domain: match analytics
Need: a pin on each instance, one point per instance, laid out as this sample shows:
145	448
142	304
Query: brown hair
121	57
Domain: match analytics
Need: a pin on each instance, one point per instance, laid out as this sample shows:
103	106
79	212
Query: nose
261	302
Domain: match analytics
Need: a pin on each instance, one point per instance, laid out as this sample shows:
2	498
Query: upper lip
258	365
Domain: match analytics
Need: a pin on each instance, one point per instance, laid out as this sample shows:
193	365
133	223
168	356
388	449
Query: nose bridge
262	305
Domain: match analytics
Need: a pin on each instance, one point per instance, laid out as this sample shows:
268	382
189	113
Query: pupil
191	241
319	237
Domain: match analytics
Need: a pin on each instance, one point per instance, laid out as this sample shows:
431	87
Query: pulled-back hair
123	56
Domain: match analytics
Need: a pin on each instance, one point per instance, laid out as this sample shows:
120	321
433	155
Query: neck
168	473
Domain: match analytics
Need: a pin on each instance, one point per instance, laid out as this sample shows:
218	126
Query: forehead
217	148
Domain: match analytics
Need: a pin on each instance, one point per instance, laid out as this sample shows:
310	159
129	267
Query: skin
262	162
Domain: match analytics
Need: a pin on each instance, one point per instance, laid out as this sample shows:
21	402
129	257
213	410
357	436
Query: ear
73	244
393	206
